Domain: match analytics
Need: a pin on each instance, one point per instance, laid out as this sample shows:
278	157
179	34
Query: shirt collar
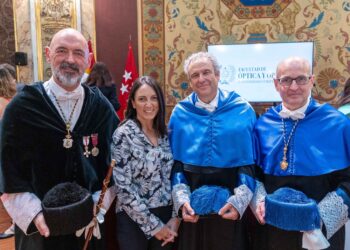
294	114
62	94
208	106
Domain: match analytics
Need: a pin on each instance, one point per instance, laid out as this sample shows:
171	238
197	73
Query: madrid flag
130	74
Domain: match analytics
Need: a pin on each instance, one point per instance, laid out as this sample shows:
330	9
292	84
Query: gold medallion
284	162
68	142
284	165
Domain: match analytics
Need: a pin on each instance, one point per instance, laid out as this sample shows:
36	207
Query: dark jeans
131	237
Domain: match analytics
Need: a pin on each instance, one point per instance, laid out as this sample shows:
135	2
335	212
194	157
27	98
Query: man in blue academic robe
212	143
303	145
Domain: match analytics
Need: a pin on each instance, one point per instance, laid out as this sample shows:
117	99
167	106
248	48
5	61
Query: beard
67	79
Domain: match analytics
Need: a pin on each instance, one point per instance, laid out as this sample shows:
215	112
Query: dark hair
10	68
159	121
99	76
7	88
346	94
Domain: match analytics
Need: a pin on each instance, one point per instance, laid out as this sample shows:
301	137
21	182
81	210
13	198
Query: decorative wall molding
35	23
191	25
7	38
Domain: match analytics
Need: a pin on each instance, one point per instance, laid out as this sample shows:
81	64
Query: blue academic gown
213	148
318	156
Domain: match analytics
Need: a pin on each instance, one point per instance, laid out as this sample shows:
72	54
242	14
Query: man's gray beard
66	80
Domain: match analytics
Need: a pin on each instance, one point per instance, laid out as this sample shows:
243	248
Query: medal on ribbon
68	141
86	141
94	140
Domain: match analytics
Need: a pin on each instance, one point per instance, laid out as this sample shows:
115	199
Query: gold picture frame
51	16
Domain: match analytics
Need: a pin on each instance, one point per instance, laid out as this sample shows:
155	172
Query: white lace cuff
241	198
259	196
333	212
181	194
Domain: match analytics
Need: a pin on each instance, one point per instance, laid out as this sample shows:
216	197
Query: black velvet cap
67	207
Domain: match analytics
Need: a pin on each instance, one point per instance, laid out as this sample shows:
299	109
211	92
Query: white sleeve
108	198
259	196
22	207
241	198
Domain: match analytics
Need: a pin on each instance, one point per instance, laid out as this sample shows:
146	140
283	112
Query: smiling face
294	96
146	104
203	79
69	57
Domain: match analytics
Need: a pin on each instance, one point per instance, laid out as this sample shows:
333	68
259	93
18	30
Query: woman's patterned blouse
141	175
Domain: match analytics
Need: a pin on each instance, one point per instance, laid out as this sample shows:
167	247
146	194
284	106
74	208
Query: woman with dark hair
7	88
344	101
102	79
145	218
7	92
12	70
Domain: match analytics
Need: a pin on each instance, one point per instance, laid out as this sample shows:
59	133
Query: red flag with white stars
130	74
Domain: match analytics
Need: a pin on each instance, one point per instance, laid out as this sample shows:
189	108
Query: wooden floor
7	244
5	222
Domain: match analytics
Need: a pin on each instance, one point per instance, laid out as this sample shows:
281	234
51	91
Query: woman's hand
174	224
166	235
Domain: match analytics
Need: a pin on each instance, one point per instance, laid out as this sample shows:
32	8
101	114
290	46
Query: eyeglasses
299	80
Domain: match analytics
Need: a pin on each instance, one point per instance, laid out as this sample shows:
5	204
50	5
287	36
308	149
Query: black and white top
142	175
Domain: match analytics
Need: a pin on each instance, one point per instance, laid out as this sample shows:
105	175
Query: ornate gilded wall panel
51	16
7	39
153	39
23	39
256	9
88	23
190	25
